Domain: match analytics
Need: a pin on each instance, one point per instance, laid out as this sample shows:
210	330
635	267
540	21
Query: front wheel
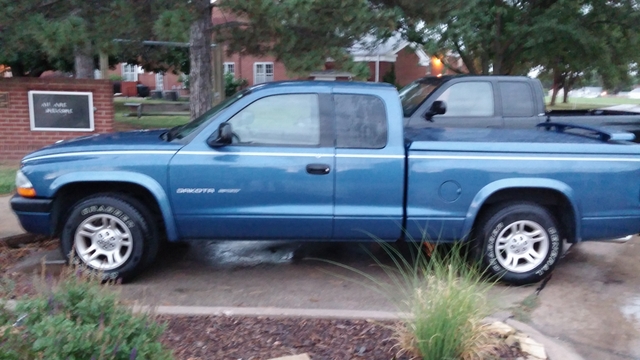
108	235
519	242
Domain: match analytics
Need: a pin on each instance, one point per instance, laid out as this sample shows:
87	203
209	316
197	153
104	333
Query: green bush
79	319
233	85
114	77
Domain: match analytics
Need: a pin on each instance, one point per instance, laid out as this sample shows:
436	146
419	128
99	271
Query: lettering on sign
61	111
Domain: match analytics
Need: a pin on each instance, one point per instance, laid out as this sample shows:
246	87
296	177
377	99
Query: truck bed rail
603	134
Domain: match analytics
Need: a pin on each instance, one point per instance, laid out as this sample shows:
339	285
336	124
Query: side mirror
223	137
438	107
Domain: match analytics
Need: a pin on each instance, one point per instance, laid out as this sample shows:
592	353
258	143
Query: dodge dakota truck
497	101
332	161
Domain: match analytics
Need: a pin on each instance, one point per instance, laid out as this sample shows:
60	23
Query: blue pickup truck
332	161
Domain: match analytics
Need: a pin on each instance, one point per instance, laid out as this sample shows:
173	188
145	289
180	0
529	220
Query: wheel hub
103	242
106	239
520	244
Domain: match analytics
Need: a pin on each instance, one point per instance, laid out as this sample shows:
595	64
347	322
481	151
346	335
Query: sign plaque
61	111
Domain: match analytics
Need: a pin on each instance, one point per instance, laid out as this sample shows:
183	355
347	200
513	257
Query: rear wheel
519	242
109	234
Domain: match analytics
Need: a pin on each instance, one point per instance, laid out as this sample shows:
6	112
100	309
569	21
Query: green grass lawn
125	121
7	179
150	122
583	103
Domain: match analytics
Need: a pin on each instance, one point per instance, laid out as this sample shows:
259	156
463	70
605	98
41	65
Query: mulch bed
253	338
258	338
10	254
248	338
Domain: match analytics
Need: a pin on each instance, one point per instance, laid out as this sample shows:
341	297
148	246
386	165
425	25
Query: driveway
592	301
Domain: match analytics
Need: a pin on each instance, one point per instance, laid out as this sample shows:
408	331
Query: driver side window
472	98
291	119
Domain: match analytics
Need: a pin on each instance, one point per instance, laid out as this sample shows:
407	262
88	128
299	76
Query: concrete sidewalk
9	225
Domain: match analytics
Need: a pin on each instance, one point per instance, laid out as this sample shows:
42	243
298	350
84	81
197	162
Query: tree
302	34
191	21
595	36
568	38
51	34
489	36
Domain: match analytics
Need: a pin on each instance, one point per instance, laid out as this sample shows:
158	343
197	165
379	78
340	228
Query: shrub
78	318
446	310
443	296
233	85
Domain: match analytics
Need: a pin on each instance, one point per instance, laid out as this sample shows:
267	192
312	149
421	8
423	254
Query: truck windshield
415	93
181	131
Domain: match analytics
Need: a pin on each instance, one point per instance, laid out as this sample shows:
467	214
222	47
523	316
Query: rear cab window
361	122
517	99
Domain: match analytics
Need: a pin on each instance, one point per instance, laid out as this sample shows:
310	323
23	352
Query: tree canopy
40	35
567	38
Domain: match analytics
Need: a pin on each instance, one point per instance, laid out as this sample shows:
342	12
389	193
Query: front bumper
34	214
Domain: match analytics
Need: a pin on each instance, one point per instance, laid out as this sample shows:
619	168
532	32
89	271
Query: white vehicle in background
634	94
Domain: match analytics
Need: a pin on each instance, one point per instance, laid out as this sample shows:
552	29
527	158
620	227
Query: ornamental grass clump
443	299
445	308
78	318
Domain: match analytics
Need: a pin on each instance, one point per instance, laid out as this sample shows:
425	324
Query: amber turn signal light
27	192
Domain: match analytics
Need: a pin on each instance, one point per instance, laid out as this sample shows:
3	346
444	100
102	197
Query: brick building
409	62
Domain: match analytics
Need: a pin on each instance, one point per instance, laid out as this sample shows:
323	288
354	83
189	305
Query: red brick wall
407	67
244	67
16	137
384	67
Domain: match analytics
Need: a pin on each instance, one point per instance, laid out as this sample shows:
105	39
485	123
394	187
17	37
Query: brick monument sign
36	112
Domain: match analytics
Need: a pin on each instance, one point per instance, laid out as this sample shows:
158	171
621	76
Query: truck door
275	181
370	159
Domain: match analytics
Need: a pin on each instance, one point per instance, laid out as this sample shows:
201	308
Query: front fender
537	183
143	180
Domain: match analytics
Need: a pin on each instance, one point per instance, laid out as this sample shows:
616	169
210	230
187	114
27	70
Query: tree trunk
497	59
558	83
568	85
554	95
17	69
200	81
84	64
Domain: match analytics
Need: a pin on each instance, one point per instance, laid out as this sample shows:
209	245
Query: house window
262	72
159	81
230	68
130	72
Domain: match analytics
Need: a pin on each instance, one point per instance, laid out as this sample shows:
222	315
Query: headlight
24	186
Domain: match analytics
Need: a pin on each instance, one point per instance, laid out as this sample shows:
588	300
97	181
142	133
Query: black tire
499	223
131	216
